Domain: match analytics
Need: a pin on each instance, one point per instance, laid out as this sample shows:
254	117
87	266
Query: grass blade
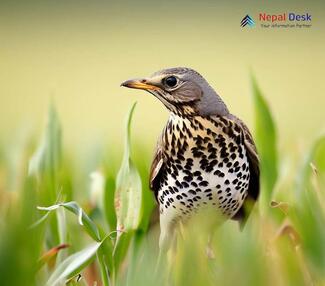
128	199
317	154
83	218
266	141
45	162
45	166
128	194
73	264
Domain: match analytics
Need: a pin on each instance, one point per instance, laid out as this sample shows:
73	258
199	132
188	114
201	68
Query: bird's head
182	90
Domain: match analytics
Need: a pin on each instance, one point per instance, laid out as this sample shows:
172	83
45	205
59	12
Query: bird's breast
206	165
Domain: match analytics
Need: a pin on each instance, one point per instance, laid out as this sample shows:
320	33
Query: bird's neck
183	110
181	130
200	109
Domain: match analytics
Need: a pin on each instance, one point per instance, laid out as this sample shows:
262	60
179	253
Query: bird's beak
139	84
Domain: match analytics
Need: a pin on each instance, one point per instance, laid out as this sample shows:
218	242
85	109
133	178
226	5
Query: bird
205	157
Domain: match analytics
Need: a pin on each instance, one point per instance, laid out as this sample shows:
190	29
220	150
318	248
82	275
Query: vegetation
51	234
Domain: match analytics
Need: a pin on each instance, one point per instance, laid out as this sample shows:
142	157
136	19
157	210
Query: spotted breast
203	164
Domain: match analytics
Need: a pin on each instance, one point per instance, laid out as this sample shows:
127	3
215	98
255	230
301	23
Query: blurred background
76	53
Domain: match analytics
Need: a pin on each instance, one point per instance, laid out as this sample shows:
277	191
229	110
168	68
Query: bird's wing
254	169
157	167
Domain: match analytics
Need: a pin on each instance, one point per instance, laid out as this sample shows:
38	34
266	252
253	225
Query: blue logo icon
247	21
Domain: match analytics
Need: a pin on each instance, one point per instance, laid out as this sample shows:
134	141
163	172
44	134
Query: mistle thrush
205	156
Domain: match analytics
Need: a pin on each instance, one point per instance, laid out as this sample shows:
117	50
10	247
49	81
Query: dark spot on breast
188	178
194	184
197	173
198	154
226	160
178	184
188	167
225	129
185	185
209	169
192	192
204	184
181	157
212	156
232	149
203	163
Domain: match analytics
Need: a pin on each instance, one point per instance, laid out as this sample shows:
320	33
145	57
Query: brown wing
156	170
254	169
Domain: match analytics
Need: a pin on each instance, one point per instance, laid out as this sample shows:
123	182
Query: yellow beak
139	84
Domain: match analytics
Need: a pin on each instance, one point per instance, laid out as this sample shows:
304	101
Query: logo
278	20
247	21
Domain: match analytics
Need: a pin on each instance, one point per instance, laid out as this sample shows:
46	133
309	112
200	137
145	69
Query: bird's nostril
143	80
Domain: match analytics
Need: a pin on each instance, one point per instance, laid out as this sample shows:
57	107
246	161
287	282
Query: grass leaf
266	141
128	199
317	154
45	162
83	218
128	194
45	166
73	264
51	254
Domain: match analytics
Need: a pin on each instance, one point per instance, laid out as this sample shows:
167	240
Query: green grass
52	234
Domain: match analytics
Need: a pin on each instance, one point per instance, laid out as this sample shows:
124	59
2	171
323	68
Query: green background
78	52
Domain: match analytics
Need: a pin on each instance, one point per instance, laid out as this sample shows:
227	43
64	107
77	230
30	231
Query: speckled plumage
204	164
205	157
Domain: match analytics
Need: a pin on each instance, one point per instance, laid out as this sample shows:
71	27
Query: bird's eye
170	81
